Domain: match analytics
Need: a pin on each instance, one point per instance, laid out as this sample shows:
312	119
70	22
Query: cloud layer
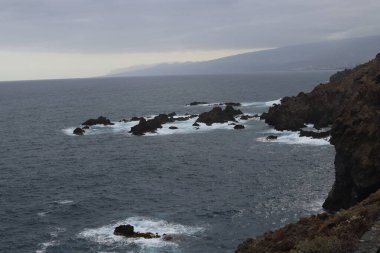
125	26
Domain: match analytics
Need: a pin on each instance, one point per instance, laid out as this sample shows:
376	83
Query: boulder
271	137
136	118
145	126
196	124
99	121
78	131
239	127
232	104
173	127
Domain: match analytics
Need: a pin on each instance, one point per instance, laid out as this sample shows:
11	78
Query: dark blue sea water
214	187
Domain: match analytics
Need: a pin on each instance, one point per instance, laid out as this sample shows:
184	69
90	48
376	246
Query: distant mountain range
328	55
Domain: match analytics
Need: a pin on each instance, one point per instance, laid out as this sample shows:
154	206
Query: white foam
42	214
45	245
184	127
104	235
289	137
65	202
262	104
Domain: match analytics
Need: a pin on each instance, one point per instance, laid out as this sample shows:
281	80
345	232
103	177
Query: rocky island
350	105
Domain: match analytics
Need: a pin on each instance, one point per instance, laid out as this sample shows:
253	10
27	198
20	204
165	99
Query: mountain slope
329	55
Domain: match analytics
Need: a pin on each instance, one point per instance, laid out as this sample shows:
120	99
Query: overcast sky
74	38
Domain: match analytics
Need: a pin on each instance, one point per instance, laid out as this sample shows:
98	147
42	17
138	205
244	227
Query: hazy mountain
329	55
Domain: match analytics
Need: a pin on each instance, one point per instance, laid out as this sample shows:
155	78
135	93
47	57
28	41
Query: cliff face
350	103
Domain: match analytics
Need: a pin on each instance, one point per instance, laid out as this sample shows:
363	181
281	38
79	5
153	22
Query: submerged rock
78	131
173	127
197	103
271	137
315	135
239	127
99	121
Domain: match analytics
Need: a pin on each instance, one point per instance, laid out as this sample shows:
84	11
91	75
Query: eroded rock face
351	103
99	121
218	115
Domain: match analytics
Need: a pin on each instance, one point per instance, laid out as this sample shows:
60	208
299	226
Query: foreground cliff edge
350	105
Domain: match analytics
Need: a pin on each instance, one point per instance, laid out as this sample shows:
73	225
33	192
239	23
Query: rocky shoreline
350	105
217	114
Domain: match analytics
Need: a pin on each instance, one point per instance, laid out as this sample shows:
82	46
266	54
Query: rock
150	125
136	118
78	131
232	104
196	124
217	115
315	135
123	120
124	230
244	117
271	137
239	127
198	103
86	127
99	121
172	114
128	231
173	127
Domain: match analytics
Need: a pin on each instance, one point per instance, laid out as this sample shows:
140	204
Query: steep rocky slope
322	233
351	105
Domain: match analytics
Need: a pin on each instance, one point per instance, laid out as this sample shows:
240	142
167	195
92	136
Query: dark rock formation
86	127
173	127
232	104
315	135
128	231
239	127
99	121
217	115
151	125
136	118
271	137
351	103
197	103
78	131
246	117
196	124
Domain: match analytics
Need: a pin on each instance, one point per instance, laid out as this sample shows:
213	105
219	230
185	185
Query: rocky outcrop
197	103
78	131
128	231
315	135
238	127
218	115
99	121
151	125
351	104
322	233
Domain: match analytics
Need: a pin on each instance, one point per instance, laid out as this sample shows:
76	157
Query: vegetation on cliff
322	233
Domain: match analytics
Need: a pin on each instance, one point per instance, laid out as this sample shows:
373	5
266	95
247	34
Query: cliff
350	104
322	233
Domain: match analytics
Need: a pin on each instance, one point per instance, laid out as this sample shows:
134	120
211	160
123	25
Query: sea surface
213	187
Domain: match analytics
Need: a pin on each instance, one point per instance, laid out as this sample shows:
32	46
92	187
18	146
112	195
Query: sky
44	39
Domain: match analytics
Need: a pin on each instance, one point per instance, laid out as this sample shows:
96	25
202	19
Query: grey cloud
117	26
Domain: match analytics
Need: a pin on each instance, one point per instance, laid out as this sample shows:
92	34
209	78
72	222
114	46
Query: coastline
349	104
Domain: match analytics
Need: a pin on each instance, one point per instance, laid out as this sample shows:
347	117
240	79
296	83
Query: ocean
213	187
